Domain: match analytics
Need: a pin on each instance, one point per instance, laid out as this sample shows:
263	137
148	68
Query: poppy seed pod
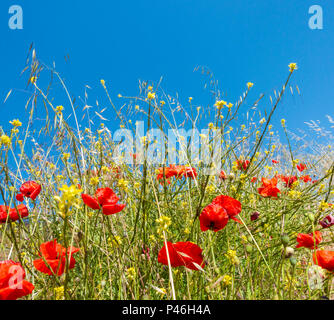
231	176
293	261
289	252
285	240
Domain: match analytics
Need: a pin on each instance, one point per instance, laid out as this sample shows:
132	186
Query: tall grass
118	253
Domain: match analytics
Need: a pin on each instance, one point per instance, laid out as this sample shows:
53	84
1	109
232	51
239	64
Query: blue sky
124	41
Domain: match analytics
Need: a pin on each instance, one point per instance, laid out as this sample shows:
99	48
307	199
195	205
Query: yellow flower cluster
293	66
114	242
227	280
123	184
231	255
59	109
220	104
131	273
59	293
163	224
16	123
68	199
5	141
151	95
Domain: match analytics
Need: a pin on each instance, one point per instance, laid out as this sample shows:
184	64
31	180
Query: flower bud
285	239
311	217
289	252
293	261
255	215
249	248
231	176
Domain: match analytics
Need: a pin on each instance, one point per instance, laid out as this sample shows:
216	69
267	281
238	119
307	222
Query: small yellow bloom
16	123
151	95
220	104
293	66
131	273
250	84
94	181
5	141
66	156
59	293
59	109
33	79
123	184
227	280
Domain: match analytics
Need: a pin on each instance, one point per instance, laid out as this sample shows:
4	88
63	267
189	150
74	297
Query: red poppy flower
55	256
223	175
213	217
325	259
189	172
242	164
14	214
269	188
105	198
231	205
288	180
168	171
306	178
301	167
29	189
12	283
327	222
254	179
185	254
255	215
275	161
184	171
176	171
308	240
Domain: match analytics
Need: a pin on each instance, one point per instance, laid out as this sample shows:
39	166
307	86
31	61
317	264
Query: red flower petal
185	254
213	217
90	201
231	205
112	208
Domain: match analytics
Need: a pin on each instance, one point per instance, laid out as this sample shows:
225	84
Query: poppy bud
285	239
19	197
231	176
311	217
255	215
293	261
327	222
289	252
249	248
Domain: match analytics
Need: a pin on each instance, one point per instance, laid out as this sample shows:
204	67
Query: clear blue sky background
123	41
